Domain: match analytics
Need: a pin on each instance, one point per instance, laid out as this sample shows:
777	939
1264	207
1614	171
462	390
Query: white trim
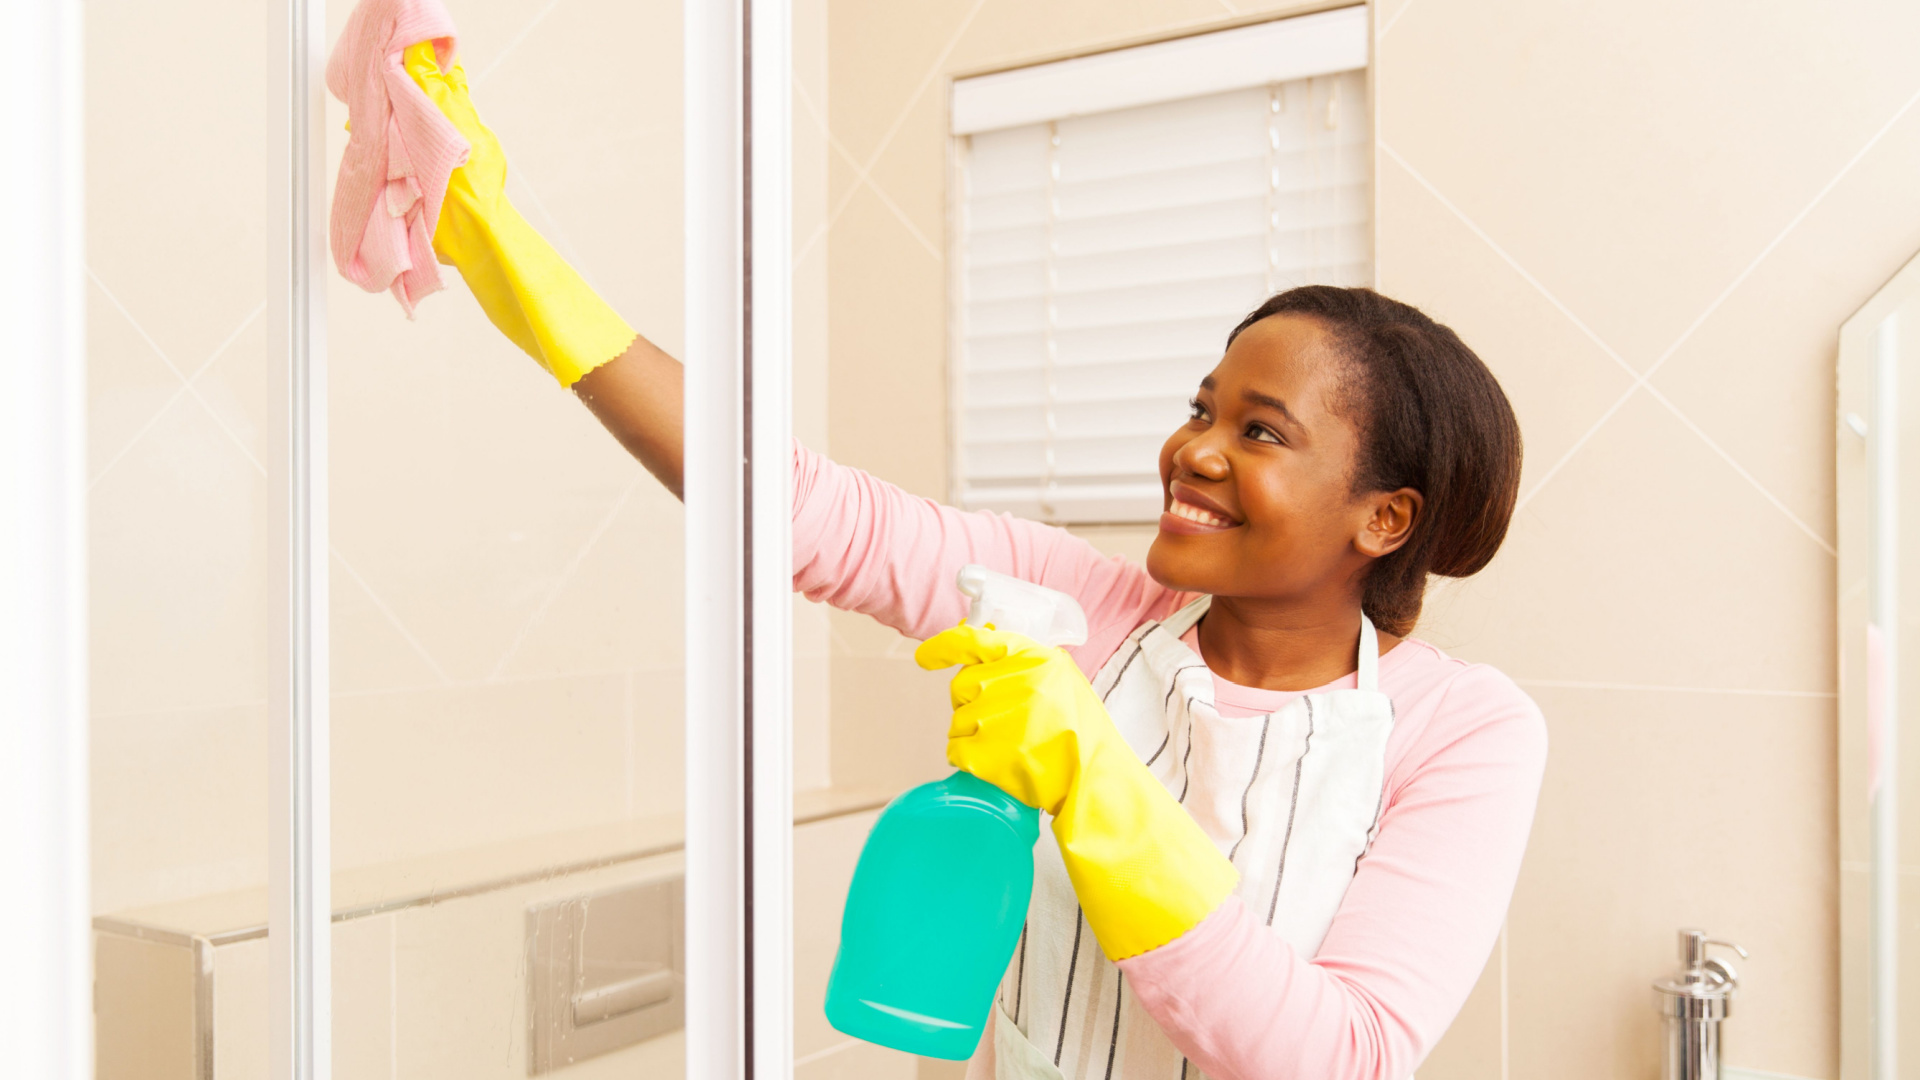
769	422
715	539
299	853
1270	52
46	1003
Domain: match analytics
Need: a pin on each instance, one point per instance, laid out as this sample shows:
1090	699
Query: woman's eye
1262	433
1197	411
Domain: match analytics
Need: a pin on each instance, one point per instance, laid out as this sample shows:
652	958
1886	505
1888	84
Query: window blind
1104	258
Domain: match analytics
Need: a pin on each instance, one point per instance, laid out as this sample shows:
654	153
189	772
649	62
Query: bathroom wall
1650	219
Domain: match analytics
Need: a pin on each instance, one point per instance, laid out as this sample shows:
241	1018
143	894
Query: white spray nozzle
1046	616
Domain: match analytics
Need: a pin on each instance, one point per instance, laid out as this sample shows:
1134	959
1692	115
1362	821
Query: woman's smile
1189	513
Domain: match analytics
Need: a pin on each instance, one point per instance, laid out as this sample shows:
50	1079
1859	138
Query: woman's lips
1187	519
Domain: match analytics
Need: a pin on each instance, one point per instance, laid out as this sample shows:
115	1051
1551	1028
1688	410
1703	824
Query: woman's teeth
1199	516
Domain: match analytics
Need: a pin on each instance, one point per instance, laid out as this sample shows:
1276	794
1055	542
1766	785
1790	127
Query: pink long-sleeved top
1425	906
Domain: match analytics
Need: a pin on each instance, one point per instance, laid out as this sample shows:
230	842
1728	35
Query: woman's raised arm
637	396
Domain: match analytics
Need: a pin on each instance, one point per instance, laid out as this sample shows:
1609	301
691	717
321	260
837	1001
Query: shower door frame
738	274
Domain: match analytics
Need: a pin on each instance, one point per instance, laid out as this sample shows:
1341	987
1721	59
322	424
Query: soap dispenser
1692	1002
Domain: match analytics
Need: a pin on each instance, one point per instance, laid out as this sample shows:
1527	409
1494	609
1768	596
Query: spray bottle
941	890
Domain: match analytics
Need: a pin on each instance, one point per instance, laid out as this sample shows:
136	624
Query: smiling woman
1365	798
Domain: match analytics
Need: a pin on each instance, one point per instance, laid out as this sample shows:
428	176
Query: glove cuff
1144	871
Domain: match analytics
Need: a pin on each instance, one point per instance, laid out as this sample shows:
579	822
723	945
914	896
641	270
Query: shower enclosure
431	736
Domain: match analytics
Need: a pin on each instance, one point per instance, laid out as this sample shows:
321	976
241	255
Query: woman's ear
1391	523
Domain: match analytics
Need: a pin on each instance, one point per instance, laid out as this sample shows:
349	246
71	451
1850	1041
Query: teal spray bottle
941	890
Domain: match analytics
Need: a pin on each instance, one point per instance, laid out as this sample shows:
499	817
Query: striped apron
1291	798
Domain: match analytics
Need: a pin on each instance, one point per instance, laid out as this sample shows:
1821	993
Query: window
1117	215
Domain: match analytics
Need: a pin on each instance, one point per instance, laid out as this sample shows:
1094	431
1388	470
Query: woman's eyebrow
1255	397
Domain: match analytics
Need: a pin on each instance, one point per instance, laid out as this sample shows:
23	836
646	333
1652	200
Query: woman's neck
1282	646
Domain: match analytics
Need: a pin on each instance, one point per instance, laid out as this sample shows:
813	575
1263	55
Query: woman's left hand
1026	721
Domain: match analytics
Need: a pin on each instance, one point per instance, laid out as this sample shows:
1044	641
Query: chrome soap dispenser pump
1692	1003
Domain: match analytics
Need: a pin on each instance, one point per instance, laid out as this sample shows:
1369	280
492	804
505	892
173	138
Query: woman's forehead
1285	356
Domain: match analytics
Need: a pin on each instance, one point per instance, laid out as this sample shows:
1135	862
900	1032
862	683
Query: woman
1283	834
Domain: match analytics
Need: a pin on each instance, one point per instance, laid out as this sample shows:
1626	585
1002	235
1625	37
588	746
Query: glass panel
507	617
179	566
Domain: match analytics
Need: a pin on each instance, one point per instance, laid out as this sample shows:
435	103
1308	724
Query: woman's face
1259	499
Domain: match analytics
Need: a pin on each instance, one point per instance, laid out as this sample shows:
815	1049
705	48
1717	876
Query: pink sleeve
864	545
1411	937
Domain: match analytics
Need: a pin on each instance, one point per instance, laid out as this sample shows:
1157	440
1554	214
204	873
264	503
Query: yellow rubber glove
1025	721
524	286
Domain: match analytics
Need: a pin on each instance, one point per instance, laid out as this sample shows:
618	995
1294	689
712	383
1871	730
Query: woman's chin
1176	562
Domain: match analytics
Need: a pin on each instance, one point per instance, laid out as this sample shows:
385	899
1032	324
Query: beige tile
897	47
888	338
465	484
1662	811
912	172
128	383
363	1012
240	1011
440	770
1008	32
1644	549
179	805
461	985
620	604
656	742
1759	375
860	1061
824	854
855	634
176	192
1636	171
935	1069
889	723
371	650
178	571
1559	380
143	1001
1474	1046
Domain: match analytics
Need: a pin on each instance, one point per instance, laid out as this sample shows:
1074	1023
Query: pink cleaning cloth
400	149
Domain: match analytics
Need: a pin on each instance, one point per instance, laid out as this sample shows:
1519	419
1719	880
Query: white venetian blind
1103	259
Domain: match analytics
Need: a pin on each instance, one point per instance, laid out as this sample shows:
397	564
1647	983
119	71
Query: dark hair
1431	417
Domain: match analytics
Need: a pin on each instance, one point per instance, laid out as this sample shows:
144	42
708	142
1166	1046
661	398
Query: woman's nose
1202	457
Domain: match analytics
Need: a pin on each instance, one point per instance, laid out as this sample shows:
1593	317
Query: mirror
1876	472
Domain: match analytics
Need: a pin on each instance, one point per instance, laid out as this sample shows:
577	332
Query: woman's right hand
537	300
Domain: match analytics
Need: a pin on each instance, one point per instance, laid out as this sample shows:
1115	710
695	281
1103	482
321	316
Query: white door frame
46	1000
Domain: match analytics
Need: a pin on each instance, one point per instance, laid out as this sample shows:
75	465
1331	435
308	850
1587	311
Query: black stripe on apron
1066	1003
1258	755
1293	808
1020	975
1119	996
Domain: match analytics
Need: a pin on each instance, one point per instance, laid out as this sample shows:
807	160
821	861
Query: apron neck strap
1369	658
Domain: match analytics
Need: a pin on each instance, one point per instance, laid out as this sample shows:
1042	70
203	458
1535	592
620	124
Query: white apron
1292	798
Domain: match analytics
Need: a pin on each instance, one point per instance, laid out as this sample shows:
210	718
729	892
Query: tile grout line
507	49
822	1055
1819	197
1391	22
870	184
179	392
863	173
186	382
1641	379
1744	474
381	606
566	576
